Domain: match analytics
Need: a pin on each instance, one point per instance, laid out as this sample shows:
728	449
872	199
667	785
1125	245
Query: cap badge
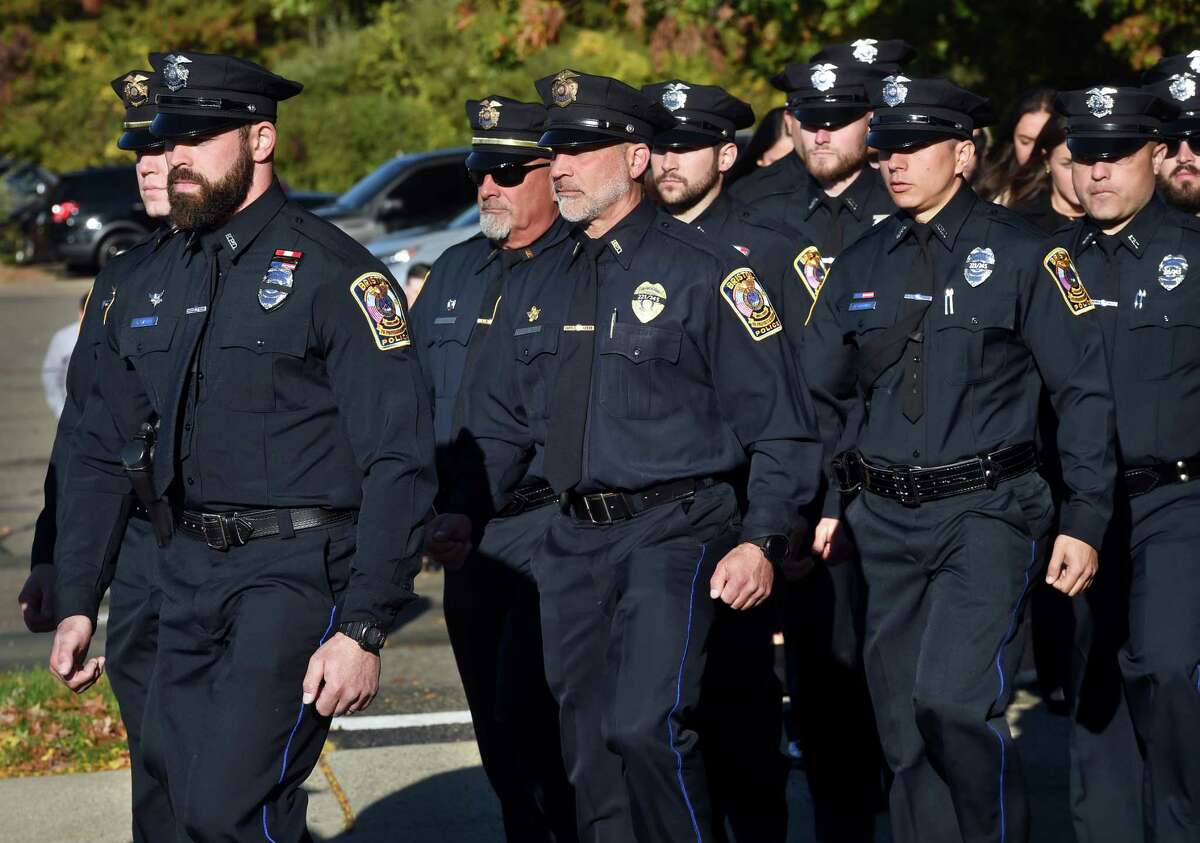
978	267
136	91
823	76
674	98
1194	55
1171	271
1183	86
489	114
649	300
1100	101
894	90
174	73
865	50
564	89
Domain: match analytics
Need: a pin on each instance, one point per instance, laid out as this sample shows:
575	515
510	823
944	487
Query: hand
743	577
342	677
37	599
68	655
448	540
827	539
1073	565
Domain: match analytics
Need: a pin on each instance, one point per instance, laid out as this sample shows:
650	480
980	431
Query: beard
588	206
688	194
1183	195
214	202
834	168
495	227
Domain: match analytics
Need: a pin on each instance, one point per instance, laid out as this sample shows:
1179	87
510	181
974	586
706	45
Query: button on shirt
998	328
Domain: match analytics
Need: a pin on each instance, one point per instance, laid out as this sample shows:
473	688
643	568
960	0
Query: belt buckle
1181	470
223	531
991	470
906	482
603	499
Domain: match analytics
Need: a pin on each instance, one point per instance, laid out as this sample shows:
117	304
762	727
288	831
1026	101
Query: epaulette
1010	218
324	233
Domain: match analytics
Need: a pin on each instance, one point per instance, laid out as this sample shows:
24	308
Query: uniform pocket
536	348
259	368
635	366
975	343
1164	336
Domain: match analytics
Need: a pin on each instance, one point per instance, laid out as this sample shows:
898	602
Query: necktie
837	224
920	283
572	390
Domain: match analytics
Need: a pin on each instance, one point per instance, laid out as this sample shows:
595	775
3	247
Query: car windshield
366	188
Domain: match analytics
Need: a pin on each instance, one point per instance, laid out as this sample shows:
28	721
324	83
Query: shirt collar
1136	234
624	238
947	223
236	235
854	197
558	231
713	218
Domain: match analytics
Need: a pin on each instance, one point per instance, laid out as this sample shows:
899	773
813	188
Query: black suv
95	215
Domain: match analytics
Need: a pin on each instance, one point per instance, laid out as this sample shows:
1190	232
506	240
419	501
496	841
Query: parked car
25	190
310	198
401	250
426	189
95	215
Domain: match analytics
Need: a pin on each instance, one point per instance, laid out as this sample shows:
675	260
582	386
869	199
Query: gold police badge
750	304
649	300
136	91
1066	277
489	114
564	89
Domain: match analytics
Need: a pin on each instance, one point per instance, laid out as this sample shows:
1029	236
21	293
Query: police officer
1134	252
491	604
1177	80
131	635
293	446
933	338
657	359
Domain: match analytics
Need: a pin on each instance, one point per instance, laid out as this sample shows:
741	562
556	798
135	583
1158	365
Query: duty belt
913	485
223	530
527	497
1140	479
611	507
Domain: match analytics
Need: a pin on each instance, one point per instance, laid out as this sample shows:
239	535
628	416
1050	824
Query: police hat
1176	79
836	85
915	112
1105	123
203	93
137	90
586	110
705	115
504	131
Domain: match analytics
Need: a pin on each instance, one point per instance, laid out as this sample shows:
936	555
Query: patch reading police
811	269
564	89
276	284
489	114
380	305
978	267
649	300
749	301
136	90
174	73
674	96
1171	271
1066	277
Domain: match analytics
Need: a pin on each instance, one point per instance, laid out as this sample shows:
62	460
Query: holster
137	457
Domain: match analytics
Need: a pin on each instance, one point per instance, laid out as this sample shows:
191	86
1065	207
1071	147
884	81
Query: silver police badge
489	114
1100	101
865	50
674	96
1194	55
894	90
1183	86
978	267
174	73
823	76
1171	271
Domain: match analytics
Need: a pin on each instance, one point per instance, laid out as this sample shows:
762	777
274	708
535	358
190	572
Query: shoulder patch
1066	278
811	269
379	303
750	304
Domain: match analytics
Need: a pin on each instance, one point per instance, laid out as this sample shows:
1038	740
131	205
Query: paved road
408	781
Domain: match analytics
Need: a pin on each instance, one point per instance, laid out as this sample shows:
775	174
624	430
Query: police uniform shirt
1149	307
787	175
1001	324
691	378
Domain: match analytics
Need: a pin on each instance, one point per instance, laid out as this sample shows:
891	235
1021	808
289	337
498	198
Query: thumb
1054	569
312	678
717	584
62	657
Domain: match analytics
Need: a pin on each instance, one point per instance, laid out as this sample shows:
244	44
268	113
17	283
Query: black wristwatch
774	547
369	636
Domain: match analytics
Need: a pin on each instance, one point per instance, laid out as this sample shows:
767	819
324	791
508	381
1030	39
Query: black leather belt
223	530
1140	479
610	507
914	485
528	497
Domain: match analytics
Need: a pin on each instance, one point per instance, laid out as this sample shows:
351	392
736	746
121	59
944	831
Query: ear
1158	155
262	142
726	156
637	159
964	154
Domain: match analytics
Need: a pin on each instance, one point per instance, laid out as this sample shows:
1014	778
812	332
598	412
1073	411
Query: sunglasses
508	175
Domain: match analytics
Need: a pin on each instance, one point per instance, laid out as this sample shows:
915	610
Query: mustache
1190	169
185	174
494	205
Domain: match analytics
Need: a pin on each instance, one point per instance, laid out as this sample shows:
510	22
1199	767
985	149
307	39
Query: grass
47	730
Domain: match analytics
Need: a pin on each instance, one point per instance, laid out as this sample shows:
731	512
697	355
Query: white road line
400	721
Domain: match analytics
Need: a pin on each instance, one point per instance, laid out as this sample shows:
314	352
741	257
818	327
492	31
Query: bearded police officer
491	603
1136	254
1177	80
293	446
933	338
637	347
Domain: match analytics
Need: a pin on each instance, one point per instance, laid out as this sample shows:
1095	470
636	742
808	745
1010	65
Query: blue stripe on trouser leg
288	746
679	695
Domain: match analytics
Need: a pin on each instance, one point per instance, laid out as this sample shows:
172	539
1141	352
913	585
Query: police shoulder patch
811	268
750	303
379	303
1066	277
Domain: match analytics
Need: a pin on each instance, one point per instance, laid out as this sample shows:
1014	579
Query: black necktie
837	225
1109	245
572	390
920	288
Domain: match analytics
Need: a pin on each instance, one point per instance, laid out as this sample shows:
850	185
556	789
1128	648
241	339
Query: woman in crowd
1015	140
1041	189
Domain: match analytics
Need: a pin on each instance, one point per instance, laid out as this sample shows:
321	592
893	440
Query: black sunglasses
508	175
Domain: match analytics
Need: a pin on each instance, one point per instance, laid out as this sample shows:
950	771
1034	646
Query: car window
100	186
366	188
432	194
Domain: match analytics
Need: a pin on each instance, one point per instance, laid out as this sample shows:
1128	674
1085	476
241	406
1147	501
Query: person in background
1174	79
1042	190
415	280
771	141
54	364
1015	142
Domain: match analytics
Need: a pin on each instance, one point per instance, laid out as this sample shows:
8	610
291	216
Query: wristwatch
368	635
775	547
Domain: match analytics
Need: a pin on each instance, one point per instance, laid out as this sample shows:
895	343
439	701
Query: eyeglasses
508	175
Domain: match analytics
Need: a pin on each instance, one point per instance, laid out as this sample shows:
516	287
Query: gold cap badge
565	89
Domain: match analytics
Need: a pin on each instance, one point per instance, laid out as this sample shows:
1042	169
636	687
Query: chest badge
649	300
276	284
978	267
1171	271
811	269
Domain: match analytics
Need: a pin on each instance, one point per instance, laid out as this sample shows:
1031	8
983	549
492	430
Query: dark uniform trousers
492	616
224	722
942	649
